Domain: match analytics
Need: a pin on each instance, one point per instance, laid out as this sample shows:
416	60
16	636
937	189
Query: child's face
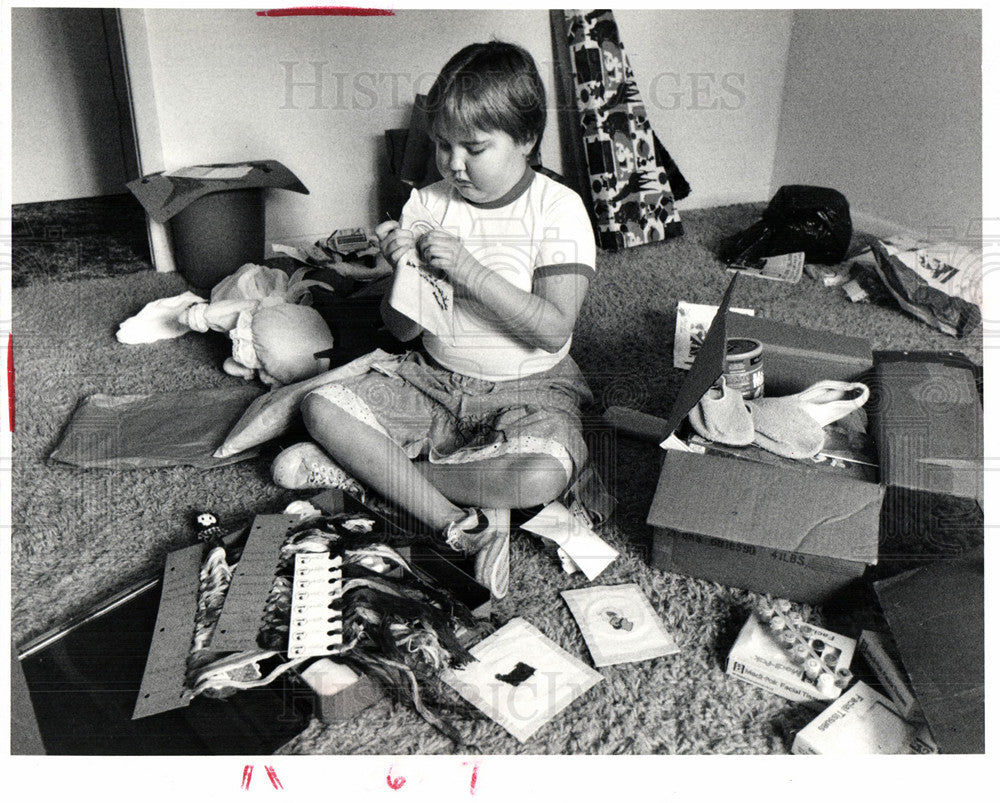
481	165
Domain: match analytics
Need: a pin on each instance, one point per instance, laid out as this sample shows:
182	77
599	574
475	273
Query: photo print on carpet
618	624
521	679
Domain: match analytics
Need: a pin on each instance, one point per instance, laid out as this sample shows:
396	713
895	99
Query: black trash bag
816	220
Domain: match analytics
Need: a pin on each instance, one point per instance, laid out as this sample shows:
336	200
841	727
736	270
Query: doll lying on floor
266	313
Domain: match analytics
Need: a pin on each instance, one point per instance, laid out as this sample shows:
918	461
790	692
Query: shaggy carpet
79	535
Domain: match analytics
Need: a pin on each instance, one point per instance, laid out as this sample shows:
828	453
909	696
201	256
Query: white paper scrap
693	322
209	173
424	297
583	546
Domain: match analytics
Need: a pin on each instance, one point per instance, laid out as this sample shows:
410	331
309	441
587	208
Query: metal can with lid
744	366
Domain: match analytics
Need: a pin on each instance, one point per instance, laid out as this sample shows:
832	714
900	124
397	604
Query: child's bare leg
508	481
377	461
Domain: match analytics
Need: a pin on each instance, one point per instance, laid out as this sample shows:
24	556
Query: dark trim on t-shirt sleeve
562	269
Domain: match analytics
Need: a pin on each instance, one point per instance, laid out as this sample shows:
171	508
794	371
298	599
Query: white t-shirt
539	228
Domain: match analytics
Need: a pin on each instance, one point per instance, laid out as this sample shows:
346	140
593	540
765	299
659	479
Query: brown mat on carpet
79	536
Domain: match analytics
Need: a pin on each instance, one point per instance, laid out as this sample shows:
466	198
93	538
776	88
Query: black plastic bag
816	220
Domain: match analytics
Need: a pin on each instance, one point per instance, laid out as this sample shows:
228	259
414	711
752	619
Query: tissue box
862	722
880	653
758	659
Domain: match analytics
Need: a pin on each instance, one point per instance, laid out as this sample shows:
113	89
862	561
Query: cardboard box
929	433
936	616
880	653
862	722
791	531
757	658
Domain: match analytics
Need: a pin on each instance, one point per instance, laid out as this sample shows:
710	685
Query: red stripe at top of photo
327	11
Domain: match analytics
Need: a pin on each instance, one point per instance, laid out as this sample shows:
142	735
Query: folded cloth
158	320
784	427
830	400
722	416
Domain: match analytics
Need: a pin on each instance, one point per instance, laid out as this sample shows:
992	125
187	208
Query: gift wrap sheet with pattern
633	179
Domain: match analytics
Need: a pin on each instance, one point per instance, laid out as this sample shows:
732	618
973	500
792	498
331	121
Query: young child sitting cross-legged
489	418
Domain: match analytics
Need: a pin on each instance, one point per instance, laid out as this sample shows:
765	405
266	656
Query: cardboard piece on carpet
935	615
239	622
154	430
163	687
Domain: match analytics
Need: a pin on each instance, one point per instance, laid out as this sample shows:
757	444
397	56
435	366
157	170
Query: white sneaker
306	466
485	534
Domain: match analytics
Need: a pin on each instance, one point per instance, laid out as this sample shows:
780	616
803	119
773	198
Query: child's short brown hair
490	86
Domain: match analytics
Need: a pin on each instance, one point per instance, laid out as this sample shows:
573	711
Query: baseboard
882	227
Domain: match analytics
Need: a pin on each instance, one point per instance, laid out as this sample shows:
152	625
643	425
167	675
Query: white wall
712	83
224	86
221	81
885	106
64	138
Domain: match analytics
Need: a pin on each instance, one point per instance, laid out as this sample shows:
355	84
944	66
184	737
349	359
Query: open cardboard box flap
749	502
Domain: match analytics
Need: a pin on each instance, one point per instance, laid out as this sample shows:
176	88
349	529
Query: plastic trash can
217	233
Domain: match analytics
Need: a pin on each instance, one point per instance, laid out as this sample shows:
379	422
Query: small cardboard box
880	653
757	658
862	722
340	692
788	530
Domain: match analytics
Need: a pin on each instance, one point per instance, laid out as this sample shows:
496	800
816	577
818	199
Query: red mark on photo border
327	11
247	775
273	777
475	777
10	378
395	783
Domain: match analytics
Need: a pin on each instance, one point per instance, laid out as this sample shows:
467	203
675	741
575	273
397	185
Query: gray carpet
78	536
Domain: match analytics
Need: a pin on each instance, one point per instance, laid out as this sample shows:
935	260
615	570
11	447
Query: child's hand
396	242
445	252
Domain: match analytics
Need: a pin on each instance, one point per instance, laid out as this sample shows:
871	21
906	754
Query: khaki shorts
448	417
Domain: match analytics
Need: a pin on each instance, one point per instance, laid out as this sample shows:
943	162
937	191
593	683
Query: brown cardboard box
788	530
804	534
929	431
796	357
